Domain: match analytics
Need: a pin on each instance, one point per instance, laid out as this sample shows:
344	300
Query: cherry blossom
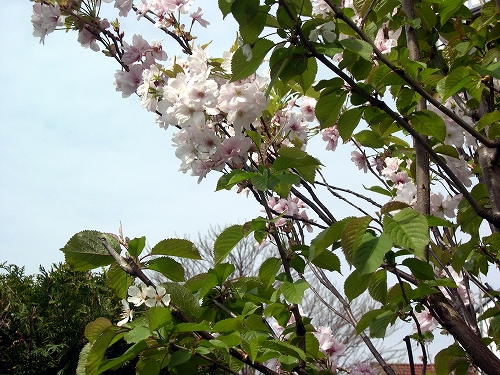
463	291
157	297
331	136
307	108
126	315
363	368
426	321
139	294
133	53
359	160
196	16
45	19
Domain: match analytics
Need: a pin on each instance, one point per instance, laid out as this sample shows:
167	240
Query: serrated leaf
488	119
241	68
226	241
137	334
193	327
393	206
377	286
421	270
136	245
227	325
82	359
379	323
251	347
328	108
348	122
359	47
446	9
408	229
85	251
118	280
457	80
94	329
98	349
183	299
177	247
364	321
268	271
131	353
370	253
293	292
444	358
327	237
158	316
293	157
168	267
284	348
356	284
328	261
429	123
352	235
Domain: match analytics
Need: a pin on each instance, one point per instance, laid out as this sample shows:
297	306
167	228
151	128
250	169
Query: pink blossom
426	321
45	19
360	160
464	293
400	179
363	368
196	16
331	136
128	82
87	39
124	6
295	127
391	166
328	344
133	53
406	194
321	8
307	108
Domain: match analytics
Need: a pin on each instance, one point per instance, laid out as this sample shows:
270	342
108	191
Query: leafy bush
43	317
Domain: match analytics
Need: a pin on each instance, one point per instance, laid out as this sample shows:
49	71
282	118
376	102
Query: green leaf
222	271
226	241
227	181
228	325
193	327
293	292
446	9
420	269
328	261
176	247
179	357
183	299
242	68
158	316
251	18
136	246
328	108
85	251
364	321
98	349
379	323
168	267
370	253
118	280
457	80
393	206
96	328
137	334
359	47
327	237
293	157
352	236
446	358
151	361
408	229
488	119
369	138
348	122
225	7
284	348
268	271
355	284
377	286
251	347
429	123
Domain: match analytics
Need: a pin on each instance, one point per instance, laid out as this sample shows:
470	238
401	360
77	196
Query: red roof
404	369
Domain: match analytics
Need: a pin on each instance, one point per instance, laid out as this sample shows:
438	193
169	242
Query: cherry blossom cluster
141	294
285	209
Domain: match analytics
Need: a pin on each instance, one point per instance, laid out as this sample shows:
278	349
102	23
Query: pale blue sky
74	155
